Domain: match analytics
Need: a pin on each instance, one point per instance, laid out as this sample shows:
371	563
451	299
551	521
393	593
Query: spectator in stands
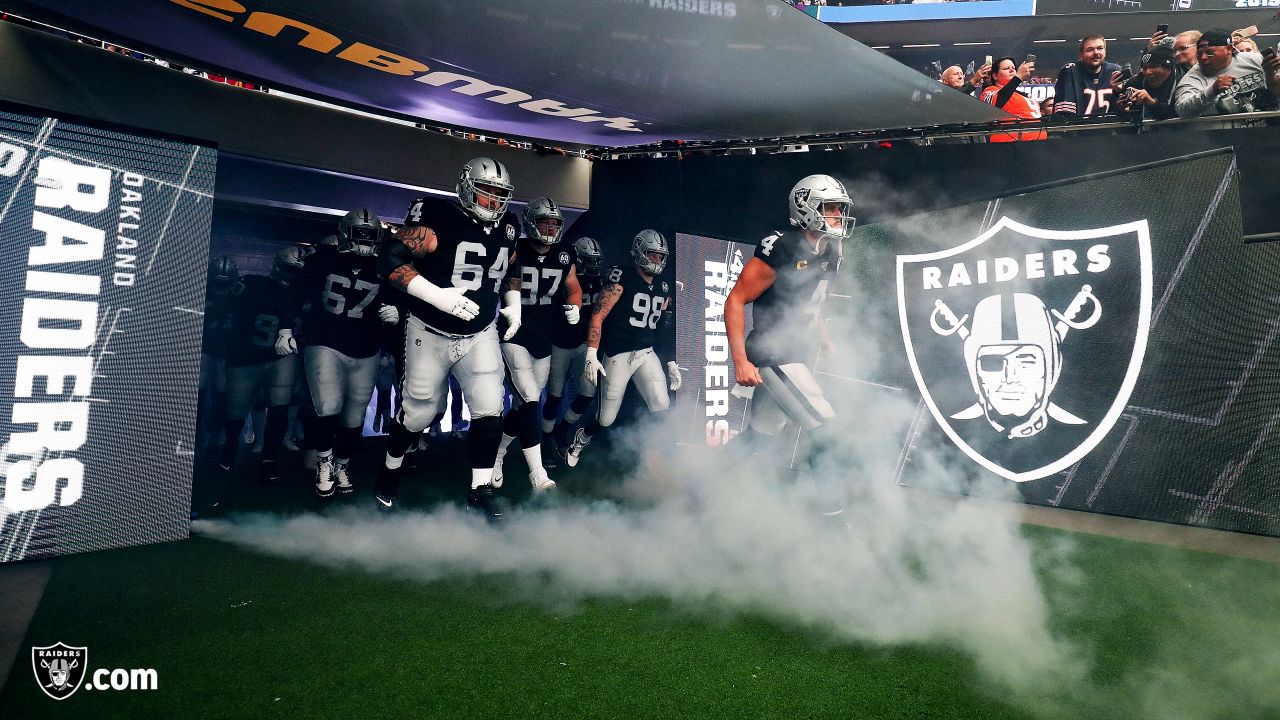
1003	93
1046	107
954	77
1226	81
1084	88
1149	94
1184	51
1246	45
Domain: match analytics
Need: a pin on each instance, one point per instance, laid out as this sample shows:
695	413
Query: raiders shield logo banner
59	669
1026	342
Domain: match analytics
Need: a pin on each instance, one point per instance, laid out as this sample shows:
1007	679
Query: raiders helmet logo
511	232
1026	343
59	669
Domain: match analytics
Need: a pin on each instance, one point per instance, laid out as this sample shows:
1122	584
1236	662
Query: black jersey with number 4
467	257
338	293
632	322
542	294
569	336
255	313
784	319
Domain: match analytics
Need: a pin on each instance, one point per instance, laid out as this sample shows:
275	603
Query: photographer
1004	95
1226	81
1149	94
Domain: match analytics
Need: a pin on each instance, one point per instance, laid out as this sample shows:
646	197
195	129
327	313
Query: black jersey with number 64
784	319
632	322
467	257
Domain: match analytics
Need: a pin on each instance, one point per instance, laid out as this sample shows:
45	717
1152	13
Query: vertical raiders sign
1026	342
103	241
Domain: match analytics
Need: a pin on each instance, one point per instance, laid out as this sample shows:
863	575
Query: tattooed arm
408	244
608	296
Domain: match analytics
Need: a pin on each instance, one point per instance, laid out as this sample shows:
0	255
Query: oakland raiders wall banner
1003	334
103	241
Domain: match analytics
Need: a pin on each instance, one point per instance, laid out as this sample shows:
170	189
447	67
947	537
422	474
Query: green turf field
237	634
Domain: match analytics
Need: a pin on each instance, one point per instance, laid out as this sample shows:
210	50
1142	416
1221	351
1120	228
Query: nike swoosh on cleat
384	503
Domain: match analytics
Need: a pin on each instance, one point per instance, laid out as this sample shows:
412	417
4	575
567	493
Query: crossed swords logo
944	322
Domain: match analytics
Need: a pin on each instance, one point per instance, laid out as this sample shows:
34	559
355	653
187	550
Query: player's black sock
322	432
550	409
274	432
592	428
400	440
231	429
581	403
511	423
345	441
483	439
309	430
528	426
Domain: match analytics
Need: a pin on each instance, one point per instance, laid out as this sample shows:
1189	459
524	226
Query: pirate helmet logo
1011	348
59	669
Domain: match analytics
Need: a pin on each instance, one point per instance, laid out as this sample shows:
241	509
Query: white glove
593	366
511	311
449	300
572	313
285	344
673	372
389	314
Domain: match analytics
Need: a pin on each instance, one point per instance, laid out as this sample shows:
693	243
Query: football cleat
541	482
550	453
270	472
496	479
482	501
386	490
342	477
574	451
324	477
456	434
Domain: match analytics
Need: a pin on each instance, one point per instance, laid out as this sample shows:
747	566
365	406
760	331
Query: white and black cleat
496	478
325	483
343	478
386	502
574	453
541	483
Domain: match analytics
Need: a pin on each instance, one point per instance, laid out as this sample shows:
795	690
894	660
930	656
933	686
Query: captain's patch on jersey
1027	342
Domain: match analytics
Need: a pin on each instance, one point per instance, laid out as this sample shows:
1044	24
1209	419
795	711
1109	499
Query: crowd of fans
1187	75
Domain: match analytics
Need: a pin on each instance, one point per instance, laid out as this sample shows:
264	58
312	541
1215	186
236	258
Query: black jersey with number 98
632	322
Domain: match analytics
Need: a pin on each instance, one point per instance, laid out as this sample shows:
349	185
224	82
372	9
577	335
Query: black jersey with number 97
542	294
632	322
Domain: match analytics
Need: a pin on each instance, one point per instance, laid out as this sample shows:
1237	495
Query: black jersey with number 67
784	319
467	257
542	294
632	322
339	297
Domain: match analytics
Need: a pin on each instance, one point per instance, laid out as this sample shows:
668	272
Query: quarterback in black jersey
623	328
569	351
454	262
786	285
253	367
337	296
549	292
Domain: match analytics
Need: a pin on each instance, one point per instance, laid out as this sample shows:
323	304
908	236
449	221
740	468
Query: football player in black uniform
786	284
337	297
253	367
623	328
549	291
454	263
223	283
569	353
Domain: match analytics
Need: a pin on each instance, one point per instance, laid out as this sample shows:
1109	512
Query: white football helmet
360	232
542	209
645	242
497	188
590	256
807	200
